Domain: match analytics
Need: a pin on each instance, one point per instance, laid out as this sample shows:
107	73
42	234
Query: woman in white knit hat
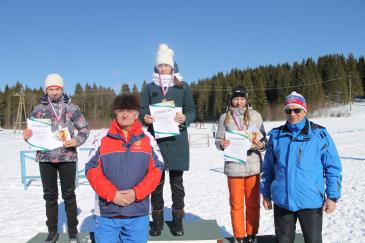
56	106
167	85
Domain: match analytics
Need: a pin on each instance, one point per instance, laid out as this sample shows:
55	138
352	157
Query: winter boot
239	240
157	223
177	225
52	237
74	238
251	239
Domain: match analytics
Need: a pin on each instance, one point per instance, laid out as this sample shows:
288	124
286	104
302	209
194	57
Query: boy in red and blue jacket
125	169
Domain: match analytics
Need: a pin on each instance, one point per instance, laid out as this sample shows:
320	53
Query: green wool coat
175	150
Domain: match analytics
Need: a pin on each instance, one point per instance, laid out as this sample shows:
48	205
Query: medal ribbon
236	122
164	91
58	117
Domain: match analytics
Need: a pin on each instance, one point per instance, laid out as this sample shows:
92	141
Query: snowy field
23	212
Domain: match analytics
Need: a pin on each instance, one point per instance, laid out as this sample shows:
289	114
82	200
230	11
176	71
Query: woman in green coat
167	85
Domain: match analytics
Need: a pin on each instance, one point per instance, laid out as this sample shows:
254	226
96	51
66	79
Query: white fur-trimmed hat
53	80
164	55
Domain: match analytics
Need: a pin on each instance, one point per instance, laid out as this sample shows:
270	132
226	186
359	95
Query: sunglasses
296	111
240	93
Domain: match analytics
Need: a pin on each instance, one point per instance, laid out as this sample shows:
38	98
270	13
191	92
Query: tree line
331	79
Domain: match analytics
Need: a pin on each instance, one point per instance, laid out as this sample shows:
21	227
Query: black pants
177	191
310	222
67	173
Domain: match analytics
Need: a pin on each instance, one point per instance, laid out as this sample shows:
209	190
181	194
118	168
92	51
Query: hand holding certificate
255	137
164	124
42	136
239	145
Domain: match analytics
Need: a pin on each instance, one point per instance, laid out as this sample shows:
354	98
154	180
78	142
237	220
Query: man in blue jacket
302	174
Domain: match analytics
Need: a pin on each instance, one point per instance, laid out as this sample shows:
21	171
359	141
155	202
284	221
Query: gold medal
164	100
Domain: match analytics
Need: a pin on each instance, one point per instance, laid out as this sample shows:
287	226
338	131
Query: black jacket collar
64	98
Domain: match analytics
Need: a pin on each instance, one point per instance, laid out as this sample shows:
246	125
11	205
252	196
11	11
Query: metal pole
23	169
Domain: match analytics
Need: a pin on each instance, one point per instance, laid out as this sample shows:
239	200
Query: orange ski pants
244	190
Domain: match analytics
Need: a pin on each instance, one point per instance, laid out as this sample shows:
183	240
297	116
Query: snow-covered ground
23	213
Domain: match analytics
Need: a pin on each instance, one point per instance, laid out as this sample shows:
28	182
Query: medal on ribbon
163	89
236	122
58	117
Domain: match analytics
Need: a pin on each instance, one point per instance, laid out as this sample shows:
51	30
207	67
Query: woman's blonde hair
246	115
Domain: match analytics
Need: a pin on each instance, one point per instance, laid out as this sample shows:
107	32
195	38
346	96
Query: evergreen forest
331	80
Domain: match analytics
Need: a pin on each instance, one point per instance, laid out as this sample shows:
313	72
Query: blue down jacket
299	172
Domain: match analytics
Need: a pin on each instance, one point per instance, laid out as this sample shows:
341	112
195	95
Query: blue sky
114	42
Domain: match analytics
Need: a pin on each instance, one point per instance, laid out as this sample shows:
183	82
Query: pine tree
2	108
8	101
125	89
216	98
357	88
78	97
201	93
334	77
135	91
88	102
361	68
258	97
312	89
95	98
308	81
144	84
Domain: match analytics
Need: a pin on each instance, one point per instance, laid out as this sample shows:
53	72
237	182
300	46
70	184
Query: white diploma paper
239	145
43	138
164	124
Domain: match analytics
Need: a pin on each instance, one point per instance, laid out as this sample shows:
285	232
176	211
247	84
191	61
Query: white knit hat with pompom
164	55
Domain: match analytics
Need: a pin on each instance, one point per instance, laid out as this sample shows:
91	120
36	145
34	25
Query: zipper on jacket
299	155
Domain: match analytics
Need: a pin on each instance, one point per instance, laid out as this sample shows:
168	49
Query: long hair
246	115
178	83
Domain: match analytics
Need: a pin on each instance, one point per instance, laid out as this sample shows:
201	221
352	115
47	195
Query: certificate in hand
43	138
164	124
239	145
